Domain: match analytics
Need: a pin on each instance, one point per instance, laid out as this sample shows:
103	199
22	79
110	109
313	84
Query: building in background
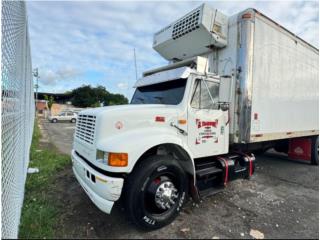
62	102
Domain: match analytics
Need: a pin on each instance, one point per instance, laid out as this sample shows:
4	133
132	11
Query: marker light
182	121
118	159
160	119
246	16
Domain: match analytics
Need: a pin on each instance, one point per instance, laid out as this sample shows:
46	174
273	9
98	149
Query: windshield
170	93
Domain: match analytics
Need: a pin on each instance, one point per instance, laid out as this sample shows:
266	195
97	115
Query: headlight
102	157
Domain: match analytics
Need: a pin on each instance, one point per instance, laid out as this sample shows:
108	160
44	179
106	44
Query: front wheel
54	120
155	192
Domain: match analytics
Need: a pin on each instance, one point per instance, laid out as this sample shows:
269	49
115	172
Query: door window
201	98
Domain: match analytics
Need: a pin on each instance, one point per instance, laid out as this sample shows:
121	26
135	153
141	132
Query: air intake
85	128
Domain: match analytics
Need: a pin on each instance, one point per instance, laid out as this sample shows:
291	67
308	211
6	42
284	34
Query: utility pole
36	86
135	62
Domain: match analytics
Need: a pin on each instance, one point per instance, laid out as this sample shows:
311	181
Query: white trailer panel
276	76
285	85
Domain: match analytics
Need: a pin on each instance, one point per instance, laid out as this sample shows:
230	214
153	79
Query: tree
115	99
50	101
87	96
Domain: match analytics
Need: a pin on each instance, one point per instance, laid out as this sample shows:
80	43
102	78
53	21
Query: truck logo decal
206	124
206	131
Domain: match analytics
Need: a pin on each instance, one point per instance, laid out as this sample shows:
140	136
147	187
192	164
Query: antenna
135	62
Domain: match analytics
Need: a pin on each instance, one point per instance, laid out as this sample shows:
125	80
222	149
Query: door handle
183	132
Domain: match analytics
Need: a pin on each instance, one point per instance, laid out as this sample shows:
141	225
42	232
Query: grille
186	25
85	128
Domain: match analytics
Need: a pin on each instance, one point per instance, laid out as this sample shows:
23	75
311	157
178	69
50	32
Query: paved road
281	201
60	134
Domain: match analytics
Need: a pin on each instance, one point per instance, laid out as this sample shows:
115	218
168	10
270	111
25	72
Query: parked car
64	116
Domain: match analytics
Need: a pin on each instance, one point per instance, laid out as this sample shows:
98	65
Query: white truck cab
191	126
174	117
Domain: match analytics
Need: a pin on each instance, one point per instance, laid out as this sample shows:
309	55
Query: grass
40	211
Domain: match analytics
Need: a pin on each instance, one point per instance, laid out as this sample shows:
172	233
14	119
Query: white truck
233	86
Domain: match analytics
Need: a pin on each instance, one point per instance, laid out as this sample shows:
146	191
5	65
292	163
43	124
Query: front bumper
101	189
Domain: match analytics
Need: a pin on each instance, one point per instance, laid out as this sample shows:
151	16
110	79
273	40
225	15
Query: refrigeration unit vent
194	34
186	25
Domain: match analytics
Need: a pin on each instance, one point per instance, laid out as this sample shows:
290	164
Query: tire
315	151
54	120
73	120
150	177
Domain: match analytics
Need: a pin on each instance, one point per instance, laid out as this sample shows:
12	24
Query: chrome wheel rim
166	195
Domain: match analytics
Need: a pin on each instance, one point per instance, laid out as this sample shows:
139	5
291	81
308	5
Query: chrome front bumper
101	189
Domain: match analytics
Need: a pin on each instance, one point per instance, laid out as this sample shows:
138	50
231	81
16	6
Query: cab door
207	133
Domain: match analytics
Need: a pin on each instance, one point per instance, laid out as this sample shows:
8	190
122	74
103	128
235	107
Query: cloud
70	39
51	78
123	86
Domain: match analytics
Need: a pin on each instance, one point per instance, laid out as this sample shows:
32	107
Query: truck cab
156	150
191	126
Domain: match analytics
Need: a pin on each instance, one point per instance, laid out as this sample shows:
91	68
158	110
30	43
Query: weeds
39	212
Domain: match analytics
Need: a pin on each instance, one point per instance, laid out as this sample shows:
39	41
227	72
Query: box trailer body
277	80
233	86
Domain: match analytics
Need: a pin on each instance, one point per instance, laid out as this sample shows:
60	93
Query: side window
195	101
214	91
70	114
201	98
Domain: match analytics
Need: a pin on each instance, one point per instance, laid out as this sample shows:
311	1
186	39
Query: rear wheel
73	120
155	192
315	151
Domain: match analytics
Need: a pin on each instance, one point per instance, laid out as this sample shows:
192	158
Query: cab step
208	171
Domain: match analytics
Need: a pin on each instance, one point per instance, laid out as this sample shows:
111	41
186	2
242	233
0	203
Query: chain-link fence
17	112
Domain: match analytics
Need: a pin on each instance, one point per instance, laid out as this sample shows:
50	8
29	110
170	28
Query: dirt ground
281	201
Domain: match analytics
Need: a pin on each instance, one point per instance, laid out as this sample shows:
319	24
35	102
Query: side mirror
225	92
225	89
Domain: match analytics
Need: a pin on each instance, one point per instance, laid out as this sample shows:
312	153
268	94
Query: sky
91	42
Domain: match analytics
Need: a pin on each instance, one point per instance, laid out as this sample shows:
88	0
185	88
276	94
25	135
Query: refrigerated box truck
234	86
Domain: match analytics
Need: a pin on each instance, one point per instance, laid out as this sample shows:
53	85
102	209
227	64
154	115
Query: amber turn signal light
182	121
118	159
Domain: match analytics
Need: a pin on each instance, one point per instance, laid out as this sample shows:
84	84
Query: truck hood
129	107
115	120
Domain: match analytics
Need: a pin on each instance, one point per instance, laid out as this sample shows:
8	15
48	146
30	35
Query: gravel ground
281	201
